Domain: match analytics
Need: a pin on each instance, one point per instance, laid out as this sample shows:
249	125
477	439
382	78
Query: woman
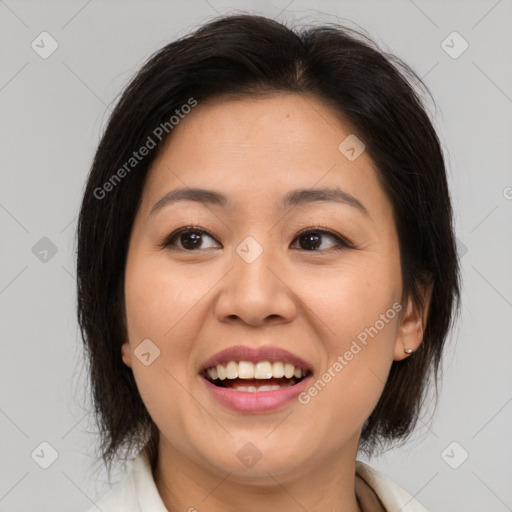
266	271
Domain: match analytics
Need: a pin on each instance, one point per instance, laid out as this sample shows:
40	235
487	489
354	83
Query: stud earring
408	351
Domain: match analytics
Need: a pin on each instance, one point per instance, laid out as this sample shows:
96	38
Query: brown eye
186	239
191	238
312	240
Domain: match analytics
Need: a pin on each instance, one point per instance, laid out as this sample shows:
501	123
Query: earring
408	351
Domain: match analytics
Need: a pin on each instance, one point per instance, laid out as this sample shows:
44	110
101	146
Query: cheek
160	300
160	308
359	357
358	308
353	296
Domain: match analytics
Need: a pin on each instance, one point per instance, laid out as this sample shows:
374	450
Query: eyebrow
292	198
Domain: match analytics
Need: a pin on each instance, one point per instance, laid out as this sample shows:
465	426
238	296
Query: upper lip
255	355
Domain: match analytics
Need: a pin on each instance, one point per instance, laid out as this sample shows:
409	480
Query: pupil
311	239
195	237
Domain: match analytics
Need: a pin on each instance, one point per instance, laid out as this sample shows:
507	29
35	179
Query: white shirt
138	492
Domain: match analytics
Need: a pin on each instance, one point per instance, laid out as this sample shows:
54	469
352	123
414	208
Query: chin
257	462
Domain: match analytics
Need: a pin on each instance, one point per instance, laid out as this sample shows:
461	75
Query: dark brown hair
245	55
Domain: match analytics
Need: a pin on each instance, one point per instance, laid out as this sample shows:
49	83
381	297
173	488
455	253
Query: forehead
277	119
258	149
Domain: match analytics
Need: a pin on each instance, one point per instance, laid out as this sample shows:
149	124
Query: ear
126	353
412	323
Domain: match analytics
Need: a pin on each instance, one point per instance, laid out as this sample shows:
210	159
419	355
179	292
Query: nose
256	291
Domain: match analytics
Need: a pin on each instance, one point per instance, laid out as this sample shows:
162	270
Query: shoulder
392	496
136	492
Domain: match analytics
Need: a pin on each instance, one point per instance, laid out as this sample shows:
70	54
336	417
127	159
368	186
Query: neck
185	485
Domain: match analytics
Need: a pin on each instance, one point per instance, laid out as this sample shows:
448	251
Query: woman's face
256	273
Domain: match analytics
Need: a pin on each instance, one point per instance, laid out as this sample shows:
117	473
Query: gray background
52	113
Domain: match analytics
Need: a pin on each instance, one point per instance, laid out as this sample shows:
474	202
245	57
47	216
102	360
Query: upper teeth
249	370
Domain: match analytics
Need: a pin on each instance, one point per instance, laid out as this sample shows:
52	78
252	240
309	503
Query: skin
193	303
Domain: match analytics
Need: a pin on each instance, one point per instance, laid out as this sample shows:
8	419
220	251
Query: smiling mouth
248	377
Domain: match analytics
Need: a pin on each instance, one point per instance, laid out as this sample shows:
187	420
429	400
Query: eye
189	237
311	239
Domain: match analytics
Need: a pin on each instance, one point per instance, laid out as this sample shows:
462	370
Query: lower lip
258	401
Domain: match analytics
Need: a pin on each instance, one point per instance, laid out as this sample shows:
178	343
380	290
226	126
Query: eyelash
342	242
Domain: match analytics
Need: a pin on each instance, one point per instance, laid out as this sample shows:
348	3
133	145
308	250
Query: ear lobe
126	354
413	322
